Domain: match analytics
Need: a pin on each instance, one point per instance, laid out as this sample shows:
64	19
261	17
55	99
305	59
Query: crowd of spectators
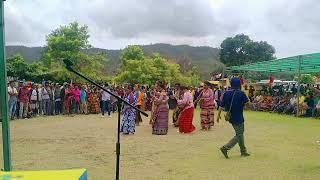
27	99
284	99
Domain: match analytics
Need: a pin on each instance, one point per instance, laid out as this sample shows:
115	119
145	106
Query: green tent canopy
308	63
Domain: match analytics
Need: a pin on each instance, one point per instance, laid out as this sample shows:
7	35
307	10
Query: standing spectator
46	91
66	97
113	101
40	103
77	94
105	98
69	98
21	85
34	99
24	97
13	93
62	95
83	100
52	99
93	99
57	98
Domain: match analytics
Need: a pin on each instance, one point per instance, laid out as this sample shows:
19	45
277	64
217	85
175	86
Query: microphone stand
69	64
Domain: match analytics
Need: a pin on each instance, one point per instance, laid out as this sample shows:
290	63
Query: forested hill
206	58
30	54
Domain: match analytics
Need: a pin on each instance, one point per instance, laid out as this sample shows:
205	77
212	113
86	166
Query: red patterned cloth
185	121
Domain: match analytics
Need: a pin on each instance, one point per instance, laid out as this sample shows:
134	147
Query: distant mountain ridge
204	57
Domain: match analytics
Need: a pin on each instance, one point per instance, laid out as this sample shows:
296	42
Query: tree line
72	42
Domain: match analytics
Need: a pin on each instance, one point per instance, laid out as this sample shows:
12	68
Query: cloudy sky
291	26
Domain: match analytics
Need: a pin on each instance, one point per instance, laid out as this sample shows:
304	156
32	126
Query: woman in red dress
186	115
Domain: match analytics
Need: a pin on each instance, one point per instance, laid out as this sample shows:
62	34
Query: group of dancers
159	119
233	102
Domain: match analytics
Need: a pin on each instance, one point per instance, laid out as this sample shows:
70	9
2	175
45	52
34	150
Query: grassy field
281	147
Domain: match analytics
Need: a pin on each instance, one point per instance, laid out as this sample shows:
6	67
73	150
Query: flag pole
3	96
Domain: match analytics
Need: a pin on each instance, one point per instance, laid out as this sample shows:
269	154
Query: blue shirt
83	95
238	103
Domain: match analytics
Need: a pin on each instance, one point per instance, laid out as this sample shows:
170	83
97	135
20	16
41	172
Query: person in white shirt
46	91
34	99
12	99
40	100
105	97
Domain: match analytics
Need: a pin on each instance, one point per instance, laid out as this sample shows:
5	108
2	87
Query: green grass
282	147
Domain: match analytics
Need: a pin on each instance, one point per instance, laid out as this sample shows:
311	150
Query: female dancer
186	115
161	112
207	107
129	114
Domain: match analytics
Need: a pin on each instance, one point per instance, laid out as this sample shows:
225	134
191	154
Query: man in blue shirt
236	120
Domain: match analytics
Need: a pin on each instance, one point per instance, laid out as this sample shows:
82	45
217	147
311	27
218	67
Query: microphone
68	64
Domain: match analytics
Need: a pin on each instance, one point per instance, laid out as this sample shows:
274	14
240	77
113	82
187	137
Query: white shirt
40	94
34	96
293	101
45	94
12	90
105	96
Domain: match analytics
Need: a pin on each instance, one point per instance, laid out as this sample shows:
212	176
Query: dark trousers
46	106
58	107
106	107
17	109
138	116
77	107
237	139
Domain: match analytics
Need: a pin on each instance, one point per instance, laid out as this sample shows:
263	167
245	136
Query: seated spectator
310	105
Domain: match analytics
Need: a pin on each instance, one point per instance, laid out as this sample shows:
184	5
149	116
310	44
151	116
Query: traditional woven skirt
148	104
185	121
207	118
160	123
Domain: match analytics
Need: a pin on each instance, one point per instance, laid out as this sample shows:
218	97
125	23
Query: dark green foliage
17	67
72	42
149	69
241	49
205	58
